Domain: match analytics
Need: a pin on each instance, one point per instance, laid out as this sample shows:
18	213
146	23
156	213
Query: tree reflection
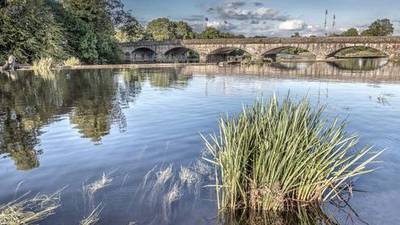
165	78
25	107
94	99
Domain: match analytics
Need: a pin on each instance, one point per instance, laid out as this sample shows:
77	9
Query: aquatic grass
93	217
101	183
187	176
29	211
163	176
277	156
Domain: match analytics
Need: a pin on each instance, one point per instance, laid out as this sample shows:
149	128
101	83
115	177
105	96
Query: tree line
380	27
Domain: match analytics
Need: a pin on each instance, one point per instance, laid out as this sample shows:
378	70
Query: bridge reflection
377	70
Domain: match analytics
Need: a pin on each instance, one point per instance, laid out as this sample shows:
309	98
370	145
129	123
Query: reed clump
43	64
43	68
277	156
72	61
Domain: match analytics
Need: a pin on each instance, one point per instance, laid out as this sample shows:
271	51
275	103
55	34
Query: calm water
66	129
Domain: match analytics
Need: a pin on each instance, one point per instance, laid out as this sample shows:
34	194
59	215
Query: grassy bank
278	156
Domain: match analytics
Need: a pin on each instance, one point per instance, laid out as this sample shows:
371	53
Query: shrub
278	156
73	61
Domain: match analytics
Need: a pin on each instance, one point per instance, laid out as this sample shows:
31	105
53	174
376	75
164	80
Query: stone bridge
206	50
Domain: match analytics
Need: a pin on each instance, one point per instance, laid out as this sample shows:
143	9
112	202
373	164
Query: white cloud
221	25
240	10
292	25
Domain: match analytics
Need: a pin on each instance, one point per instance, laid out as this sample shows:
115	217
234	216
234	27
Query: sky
270	17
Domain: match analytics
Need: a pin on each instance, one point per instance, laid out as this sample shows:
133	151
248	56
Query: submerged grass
101	183
93	217
29	211
278	156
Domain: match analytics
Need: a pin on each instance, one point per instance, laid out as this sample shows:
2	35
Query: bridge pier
202	58
257	58
320	57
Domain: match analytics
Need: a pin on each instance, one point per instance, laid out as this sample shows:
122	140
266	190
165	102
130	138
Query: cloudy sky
270	17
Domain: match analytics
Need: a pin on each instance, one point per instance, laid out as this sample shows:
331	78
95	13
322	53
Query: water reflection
301	216
361	63
92	99
292	65
370	70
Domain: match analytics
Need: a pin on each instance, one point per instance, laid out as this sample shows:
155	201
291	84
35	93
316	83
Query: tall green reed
277	156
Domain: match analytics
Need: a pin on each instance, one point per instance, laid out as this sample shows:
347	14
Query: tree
183	30
211	33
296	34
29	32
381	27
130	30
162	29
350	32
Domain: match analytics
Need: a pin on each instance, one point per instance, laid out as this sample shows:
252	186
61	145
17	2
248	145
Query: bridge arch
358	51
227	54
289	52
143	54
181	54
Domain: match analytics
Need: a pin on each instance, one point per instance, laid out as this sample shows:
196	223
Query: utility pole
326	22
205	23
334	23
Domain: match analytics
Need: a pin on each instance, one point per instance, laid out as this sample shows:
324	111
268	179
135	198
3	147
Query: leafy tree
162	29
88	48
381	27
350	32
211	33
28	31
183	30
296	34
130	30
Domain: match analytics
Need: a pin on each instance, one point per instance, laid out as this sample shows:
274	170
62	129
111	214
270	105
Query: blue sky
269	17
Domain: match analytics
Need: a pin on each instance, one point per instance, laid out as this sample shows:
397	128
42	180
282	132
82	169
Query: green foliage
88	48
213	33
29	32
163	29
132	30
350	32
91	30
277	156
183	30
296	34
85	29
381	27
